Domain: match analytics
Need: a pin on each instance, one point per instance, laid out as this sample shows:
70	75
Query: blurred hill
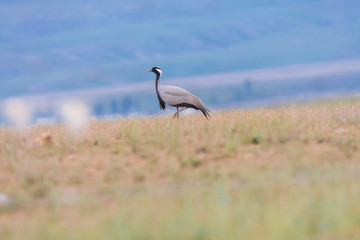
48	46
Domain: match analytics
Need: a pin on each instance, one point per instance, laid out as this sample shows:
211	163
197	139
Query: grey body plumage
176	96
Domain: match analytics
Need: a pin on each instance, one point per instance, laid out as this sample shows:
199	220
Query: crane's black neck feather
161	101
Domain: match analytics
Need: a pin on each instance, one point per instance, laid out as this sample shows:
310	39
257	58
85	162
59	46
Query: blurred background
232	54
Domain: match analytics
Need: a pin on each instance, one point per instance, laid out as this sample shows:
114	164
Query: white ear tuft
159	70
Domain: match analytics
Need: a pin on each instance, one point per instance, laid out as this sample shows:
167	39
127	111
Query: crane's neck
161	101
157	82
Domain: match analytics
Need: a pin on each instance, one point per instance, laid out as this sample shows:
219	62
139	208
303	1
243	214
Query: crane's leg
177	113
182	109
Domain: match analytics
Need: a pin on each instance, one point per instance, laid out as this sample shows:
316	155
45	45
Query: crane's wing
179	97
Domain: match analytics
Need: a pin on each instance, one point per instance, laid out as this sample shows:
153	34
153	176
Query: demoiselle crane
176	96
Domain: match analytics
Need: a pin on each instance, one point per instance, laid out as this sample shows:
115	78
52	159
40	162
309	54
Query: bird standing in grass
176	96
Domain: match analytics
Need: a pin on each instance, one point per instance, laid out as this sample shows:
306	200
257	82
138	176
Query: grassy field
277	173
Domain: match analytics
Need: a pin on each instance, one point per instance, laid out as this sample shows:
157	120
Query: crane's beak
149	70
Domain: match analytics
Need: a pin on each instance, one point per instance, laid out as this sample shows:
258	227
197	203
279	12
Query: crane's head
155	70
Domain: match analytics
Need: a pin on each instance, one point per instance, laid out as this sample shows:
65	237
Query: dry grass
283	173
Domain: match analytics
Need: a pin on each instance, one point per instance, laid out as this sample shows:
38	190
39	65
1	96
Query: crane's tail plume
205	111
200	106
